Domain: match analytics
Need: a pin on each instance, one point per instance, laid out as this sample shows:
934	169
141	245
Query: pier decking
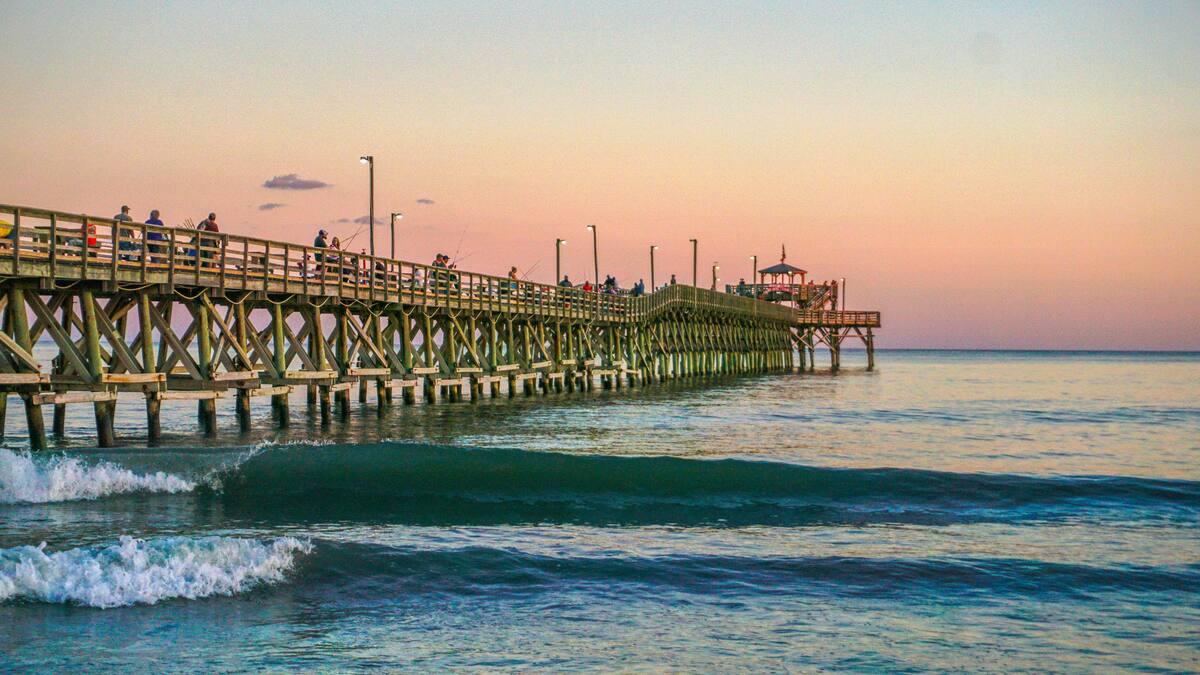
260	317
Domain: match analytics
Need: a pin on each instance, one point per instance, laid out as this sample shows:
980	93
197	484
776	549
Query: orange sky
1015	175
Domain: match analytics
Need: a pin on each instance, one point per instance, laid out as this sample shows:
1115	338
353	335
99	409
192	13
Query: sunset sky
1020	175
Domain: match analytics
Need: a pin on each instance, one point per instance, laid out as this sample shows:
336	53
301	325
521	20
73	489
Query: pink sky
1022	176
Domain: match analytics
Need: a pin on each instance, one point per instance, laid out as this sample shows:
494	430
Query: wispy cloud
363	220
425	200
293	181
270	206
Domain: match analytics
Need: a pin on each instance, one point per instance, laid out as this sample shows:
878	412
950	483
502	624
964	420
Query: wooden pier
169	313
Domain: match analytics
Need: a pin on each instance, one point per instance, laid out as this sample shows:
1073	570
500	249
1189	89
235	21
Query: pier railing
41	243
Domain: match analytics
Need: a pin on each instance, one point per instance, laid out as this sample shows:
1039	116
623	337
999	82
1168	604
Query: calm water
954	510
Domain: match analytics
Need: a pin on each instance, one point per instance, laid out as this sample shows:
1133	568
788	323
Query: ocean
953	510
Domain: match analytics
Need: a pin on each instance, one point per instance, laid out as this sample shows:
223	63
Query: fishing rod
525	277
461	237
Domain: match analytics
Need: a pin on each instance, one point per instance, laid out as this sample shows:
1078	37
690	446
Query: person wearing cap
124	234
320	243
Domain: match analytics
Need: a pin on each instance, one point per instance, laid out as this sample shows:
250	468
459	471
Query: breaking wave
437	485
136	571
29	479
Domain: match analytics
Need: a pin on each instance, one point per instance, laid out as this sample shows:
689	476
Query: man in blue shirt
155	235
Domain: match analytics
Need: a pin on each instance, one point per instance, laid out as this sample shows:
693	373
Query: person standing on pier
566	282
123	234
320	244
155	235
204	244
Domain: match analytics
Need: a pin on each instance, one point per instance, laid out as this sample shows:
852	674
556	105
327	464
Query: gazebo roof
782	268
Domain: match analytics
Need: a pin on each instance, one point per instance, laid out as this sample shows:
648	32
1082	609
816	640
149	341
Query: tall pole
369	160
652	285
753	268
714	270
558	259
695	248
595	254
842	293
395	216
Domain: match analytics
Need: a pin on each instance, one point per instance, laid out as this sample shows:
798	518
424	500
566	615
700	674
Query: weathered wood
395	322
104	409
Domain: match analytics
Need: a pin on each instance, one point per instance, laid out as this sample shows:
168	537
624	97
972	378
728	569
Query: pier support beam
279	402
104	409
206	407
18	320
149	365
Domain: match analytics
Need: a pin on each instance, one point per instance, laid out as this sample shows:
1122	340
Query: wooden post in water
149	365
60	409
206	407
317	331
279	402
33	408
243	328
104	409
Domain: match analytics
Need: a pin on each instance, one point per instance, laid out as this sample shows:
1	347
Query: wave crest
26	479
136	571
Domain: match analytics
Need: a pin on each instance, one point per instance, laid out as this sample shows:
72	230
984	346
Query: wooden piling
149	365
206	408
105	435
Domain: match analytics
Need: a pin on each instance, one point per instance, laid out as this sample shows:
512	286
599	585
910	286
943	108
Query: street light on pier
652	250
595	254
395	216
714	270
695	248
753	268
558	244
369	160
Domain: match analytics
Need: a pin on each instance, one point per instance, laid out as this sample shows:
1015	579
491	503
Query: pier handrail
57	244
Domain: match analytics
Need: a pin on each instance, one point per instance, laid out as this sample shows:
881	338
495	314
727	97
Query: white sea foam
26	479
136	571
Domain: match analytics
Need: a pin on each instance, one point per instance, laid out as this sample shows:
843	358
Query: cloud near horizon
362	220
425	200
292	181
269	206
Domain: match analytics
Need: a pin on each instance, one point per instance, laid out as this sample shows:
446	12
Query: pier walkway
172	313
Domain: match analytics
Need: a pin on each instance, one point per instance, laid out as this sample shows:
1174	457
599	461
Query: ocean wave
439	484
136	571
29	479
372	570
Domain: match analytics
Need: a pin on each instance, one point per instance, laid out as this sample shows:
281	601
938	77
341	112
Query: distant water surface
952	510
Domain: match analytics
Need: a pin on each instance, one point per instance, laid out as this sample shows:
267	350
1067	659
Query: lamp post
842	293
753	269
695	248
369	160
595	254
652	250
714	270
558	243
395	216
